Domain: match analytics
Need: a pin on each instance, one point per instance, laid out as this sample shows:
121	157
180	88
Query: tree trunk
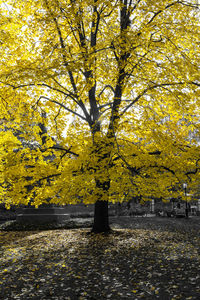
102	151
101	219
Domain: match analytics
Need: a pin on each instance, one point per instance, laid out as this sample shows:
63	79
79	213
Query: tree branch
160	11
162	85
66	150
61	105
105	87
40	84
81	104
195	83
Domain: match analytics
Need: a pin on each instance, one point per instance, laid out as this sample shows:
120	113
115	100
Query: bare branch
55	118
106	104
105	87
197	5
162	85
61	105
47	177
135	6
58	83
107	15
195	83
160	11
70	94
66	150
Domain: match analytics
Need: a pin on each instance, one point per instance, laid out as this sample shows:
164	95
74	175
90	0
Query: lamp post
186	204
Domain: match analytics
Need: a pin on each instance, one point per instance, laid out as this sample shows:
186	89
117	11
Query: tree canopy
99	99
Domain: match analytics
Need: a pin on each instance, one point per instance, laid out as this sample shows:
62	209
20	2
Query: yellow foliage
99	100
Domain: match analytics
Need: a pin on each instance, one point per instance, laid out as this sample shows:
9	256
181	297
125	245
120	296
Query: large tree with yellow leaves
99	101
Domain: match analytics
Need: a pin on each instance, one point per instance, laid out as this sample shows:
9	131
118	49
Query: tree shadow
98	265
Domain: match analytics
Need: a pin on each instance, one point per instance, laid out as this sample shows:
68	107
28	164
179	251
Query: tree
127	71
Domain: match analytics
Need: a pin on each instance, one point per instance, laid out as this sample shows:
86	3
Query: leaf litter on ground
143	258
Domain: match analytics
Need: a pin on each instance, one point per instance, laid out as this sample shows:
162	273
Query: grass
143	258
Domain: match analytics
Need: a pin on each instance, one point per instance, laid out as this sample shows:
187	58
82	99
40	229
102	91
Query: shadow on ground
157	262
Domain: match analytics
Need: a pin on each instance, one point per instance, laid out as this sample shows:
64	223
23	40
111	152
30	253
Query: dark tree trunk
101	219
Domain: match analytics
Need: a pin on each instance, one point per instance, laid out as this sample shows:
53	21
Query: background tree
127	71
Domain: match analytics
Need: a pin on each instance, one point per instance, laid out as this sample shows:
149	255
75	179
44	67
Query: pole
186	203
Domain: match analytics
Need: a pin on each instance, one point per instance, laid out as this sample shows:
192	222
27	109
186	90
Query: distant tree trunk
101	218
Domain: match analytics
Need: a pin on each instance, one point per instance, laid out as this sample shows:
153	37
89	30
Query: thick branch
125	22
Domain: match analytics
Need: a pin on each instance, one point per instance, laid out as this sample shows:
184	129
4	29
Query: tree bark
101	219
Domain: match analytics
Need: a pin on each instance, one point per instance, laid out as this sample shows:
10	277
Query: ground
143	258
